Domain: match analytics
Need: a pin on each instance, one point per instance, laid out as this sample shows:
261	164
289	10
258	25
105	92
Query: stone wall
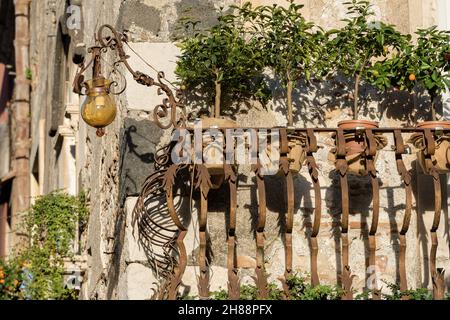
113	168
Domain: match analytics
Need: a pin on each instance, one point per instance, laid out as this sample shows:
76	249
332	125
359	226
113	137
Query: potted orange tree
217	62
293	49
427	65
354	50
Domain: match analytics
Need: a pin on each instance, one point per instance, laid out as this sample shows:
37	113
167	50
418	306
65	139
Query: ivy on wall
37	272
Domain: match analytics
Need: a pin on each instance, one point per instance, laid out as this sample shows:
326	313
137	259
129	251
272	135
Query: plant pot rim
351	124
434	124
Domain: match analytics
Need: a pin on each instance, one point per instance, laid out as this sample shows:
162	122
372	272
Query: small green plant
432	55
426	64
365	295
28	74
38	271
299	289
250	292
292	46
412	294
356	48
221	61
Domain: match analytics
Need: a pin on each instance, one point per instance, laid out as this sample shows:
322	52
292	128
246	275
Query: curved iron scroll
171	108
156	229
406	178
311	147
437	274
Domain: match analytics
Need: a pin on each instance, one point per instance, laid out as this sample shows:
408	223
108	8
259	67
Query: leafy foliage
361	44
425	64
292	46
298	286
250	292
302	290
232	55
431	59
11	279
413	294
222	59
38	271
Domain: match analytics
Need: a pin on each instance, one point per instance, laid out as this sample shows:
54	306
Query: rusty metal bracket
289	180
371	150
108	38
311	147
261	277
233	278
406	178
436	274
341	166
204	185
175	281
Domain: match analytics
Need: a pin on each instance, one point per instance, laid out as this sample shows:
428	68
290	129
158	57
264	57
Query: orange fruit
2	281
412	77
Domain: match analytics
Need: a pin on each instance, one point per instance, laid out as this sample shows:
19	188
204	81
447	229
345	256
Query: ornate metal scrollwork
171	108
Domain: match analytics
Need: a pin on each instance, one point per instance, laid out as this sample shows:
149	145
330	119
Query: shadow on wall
155	229
423	189
319	102
360	203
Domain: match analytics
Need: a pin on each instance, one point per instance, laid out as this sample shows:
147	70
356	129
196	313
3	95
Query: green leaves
299	288
38	272
424	62
225	54
237	50
361	43
292	46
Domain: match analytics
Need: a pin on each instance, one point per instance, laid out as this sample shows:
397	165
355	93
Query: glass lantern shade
98	110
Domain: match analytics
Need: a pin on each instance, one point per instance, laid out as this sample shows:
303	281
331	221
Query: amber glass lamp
99	109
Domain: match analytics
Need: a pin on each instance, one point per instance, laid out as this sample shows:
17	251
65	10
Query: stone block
134	251
137	283
139	143
160	55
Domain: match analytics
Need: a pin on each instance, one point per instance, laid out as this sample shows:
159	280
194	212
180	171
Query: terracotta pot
434	124
215	169
354	146
441	157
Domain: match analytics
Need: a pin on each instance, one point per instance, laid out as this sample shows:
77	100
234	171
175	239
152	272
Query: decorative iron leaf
230	174
347	280
234	285
261	283
169	178
203	285
438	284
203	180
